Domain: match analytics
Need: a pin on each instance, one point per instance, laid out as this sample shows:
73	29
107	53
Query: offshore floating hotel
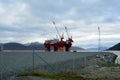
59	45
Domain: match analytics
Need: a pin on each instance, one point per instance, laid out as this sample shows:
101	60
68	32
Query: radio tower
99	40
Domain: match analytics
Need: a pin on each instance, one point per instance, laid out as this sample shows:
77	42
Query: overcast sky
31	20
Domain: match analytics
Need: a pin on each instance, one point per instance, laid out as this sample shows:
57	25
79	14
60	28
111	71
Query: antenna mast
99	43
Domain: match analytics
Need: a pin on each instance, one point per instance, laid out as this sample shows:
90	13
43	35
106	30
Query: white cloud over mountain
31	20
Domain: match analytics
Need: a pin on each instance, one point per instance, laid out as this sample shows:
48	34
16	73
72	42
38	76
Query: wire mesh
14	62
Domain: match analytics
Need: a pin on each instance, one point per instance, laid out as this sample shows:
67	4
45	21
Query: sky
27	21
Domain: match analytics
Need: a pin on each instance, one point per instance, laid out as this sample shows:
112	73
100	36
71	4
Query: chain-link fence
14	62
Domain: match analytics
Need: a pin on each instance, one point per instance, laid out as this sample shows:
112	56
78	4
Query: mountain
36	46
102	48
18	46
76	48
14	46
115	47
29	46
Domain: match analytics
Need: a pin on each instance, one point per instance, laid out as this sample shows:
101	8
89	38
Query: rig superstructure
59	45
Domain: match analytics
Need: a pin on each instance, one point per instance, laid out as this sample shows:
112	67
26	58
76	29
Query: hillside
29	46
76	48
14	46
19	46
35	46
115	47
101	48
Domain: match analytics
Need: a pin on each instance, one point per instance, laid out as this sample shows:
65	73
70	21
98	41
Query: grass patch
62	75
109	64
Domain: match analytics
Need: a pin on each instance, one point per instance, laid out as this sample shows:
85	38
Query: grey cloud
37	22
86	10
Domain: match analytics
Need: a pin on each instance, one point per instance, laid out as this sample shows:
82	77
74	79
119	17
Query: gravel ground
94	72
31	78
101	72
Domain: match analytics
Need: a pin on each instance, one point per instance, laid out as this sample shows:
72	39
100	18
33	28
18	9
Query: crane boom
67	31
56	29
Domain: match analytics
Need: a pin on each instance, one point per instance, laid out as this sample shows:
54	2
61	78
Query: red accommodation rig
58	45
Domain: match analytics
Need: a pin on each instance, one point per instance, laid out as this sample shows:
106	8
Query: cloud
12	13
31	20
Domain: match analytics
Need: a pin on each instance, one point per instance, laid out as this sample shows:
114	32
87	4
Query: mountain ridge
115	47
28	46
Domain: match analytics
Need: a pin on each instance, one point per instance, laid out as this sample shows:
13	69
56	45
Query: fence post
73	65
33	60
1	62
85	61
56	67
